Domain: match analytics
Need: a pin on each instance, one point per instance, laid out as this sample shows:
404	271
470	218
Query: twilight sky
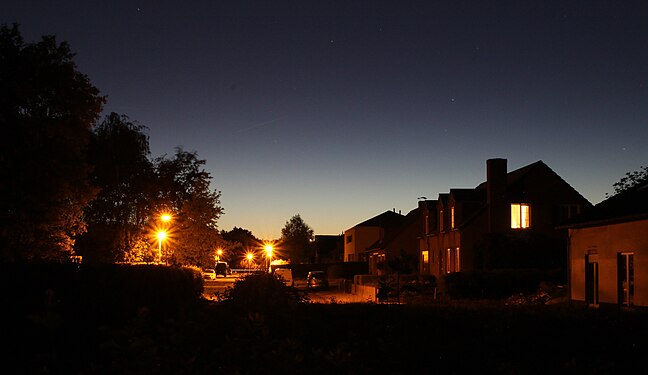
341	110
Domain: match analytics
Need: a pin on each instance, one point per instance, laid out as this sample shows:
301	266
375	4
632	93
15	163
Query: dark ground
363	338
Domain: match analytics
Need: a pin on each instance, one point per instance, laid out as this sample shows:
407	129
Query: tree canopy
631	179
119	152
296	237
47	108
236	243
70	185
184	191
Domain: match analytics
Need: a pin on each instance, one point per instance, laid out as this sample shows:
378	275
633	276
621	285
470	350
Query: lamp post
268	249
219	253
161	235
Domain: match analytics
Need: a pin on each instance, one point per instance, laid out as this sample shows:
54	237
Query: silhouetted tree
184	190
119	152
236	243
631	180
296	237
47	108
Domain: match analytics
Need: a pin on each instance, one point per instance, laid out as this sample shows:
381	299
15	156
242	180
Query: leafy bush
101	292
494	284
261	292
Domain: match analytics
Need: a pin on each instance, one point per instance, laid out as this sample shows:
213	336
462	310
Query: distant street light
268	250
219	253
249	257
165	218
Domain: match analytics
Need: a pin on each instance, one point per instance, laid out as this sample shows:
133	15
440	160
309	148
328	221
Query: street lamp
161	235
268	250
165	217
249	257
219	253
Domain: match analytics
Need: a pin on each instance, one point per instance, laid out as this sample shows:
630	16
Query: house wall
362	238
607	241
406	240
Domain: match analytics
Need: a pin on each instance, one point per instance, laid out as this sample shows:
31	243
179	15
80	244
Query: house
507	222
401	243
608	251
327	248
359	238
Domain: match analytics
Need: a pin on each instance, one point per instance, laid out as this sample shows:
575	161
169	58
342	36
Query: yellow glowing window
452	217
426	257
520	216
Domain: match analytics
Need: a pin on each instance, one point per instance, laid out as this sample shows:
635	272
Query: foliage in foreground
262	293
341	338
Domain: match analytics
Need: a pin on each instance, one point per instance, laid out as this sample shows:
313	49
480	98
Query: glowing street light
268	250
219	253
249	257
165	218
161	235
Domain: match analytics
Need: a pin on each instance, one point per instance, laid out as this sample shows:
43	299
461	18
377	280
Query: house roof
387	218
516	175
430	205
629	205
390	235
474	195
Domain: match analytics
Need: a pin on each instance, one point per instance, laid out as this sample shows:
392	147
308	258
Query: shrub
261	292
496	284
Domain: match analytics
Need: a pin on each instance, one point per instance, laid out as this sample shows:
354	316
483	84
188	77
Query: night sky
341	110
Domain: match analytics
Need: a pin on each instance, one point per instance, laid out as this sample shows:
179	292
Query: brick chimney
498	210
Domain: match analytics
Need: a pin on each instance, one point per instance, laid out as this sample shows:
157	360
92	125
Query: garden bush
496	284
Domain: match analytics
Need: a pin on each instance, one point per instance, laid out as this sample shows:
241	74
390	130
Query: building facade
358	239
508	221
608	252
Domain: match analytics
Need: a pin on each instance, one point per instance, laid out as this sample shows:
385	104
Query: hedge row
497	283
103	292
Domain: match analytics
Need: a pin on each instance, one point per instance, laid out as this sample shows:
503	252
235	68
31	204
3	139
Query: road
331	295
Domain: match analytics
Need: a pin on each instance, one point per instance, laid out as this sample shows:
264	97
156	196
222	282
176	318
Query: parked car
223	269
209	274
285	275
317	280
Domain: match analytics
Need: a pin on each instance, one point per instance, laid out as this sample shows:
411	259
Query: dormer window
520	216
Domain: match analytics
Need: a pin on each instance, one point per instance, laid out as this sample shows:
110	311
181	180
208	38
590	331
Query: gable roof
412	218
473	195
387	218
629	205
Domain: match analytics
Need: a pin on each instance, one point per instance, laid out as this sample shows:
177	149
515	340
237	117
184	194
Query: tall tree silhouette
47	108
119	153
184	188
296	237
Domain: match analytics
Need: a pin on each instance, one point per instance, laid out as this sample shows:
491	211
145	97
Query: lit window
520	216
452	217
426	258
453	260
440	220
